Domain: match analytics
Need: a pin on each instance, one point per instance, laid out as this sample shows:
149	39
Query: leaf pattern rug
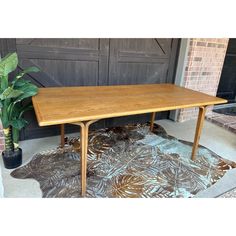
127	162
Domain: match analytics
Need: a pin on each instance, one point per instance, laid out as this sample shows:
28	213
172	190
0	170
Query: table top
62	105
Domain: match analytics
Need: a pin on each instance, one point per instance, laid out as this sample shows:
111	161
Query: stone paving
226	121
230	194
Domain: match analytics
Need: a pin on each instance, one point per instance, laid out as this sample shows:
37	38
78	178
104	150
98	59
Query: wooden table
85	105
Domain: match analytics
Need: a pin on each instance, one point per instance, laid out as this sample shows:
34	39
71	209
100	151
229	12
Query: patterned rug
127	162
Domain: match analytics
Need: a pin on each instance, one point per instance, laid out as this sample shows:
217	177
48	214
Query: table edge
113	115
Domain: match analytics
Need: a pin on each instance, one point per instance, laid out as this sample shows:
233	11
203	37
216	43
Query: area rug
126	162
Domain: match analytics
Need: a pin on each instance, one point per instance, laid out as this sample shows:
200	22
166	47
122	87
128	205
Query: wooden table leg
62	135
84	129
83	156
152	121
201	117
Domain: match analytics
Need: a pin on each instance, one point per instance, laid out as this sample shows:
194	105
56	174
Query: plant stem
15	138
8	139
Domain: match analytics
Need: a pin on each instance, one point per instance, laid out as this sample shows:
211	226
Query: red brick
1	140
1	147
203	68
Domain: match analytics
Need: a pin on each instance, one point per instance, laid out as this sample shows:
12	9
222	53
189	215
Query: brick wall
203	69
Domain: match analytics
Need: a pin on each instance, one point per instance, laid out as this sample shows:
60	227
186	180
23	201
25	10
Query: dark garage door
227	85
80	62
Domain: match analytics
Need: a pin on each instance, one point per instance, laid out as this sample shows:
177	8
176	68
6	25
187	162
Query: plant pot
13	159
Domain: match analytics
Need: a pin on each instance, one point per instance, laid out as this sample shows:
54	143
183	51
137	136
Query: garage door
81	62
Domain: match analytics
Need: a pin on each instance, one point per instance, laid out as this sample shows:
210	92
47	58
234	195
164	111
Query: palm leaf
19	83
10	93
4	83
127	186
18	123
28	90
8	64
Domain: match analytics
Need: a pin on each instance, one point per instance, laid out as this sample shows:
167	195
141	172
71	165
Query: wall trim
180	69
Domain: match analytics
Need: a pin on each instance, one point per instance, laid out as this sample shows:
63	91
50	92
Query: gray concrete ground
213	137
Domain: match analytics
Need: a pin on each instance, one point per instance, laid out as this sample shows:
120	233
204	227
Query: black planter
12	160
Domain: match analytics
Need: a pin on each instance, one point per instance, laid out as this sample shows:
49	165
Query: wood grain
153	115
62	135
72	104
201	117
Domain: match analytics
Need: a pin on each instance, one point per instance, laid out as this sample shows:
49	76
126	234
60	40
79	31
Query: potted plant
12	95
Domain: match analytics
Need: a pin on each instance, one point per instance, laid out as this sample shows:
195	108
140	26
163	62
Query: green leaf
18	110
28	90
4	113
10	93
26	71
18	123
8	64
19	83
4	82
25	108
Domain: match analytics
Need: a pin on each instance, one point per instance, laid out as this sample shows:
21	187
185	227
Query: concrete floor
213	137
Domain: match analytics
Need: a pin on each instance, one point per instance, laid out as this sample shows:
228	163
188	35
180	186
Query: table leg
83	156
62	135
152	120
201	117
84	129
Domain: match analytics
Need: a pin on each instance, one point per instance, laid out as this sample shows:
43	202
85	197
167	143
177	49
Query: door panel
139	73
61	43
139	61
69	73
